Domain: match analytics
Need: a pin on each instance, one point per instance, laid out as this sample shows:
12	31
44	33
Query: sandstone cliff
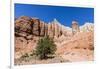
29	30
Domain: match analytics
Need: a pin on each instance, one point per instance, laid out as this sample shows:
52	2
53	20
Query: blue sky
64	14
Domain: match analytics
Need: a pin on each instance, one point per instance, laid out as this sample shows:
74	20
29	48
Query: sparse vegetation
32	53
25	55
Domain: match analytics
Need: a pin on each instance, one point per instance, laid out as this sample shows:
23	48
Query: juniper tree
45	47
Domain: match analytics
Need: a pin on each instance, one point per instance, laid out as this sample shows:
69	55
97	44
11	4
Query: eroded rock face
57	30
75	27
46	29
29	30
42	28
50	30
36	27
23	45
23	24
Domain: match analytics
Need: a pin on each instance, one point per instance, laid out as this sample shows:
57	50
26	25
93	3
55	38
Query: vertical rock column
42	28
50	30
46	29
36	27
75	27
57	32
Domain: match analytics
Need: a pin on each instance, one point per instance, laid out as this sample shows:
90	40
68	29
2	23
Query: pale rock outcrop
75	27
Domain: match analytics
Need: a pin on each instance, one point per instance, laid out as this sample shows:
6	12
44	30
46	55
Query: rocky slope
87	27
29	30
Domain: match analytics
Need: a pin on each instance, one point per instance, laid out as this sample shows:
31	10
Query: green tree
45	47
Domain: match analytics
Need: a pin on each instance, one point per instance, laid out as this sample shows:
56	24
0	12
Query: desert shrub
45	47
33	53
25	55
